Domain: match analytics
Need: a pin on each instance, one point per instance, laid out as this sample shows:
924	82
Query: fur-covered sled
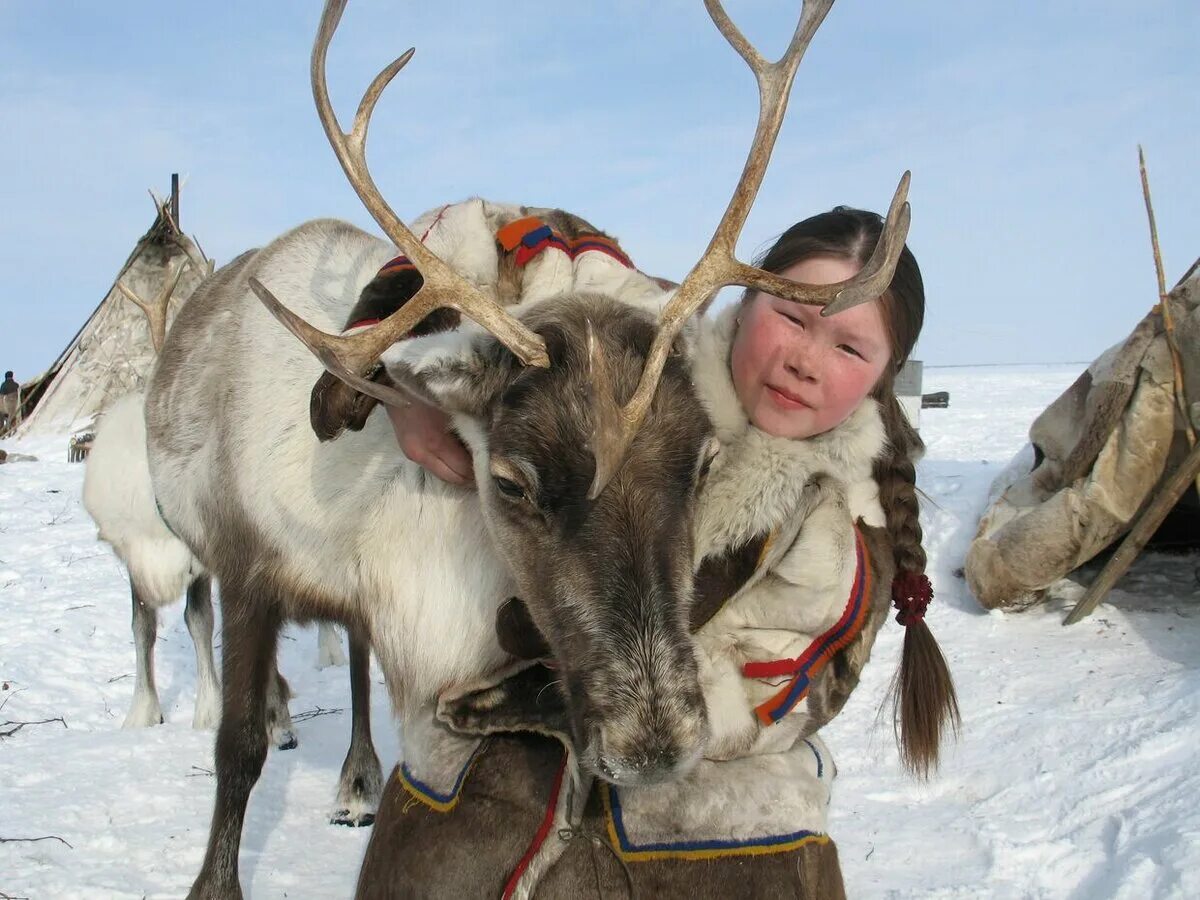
1094	459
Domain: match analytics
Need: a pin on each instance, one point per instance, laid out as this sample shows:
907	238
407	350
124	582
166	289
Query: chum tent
1096	458
111	355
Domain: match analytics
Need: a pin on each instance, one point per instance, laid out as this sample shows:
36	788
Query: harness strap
530	236
539	838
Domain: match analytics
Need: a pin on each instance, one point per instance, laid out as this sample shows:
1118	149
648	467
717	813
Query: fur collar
757	480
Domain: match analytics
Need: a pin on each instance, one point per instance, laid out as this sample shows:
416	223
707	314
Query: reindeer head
589	440
607	578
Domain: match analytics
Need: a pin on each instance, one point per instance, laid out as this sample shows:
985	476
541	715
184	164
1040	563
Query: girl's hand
424	435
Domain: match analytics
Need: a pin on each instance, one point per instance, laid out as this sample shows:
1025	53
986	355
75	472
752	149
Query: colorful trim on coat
400	263
438	802
684	848
530	236
808	665
394	266
540	838
397	264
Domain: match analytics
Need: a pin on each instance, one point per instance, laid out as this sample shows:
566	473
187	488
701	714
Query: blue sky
1019	120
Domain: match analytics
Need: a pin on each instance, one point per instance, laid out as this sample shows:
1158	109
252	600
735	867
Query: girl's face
799	374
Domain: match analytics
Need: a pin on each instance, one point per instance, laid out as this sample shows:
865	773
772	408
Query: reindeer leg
250	634
361	782
329	646
199	618
145	709
279	718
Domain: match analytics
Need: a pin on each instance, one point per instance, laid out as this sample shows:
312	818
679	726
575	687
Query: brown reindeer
588	443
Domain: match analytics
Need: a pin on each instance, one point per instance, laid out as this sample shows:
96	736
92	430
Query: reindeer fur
119	496
349	530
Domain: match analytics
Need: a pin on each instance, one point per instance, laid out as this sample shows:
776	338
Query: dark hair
8	374
847	233
923	697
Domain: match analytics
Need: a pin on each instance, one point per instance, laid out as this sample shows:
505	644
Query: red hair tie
911	593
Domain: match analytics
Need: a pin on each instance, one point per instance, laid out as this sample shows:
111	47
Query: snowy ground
1075	776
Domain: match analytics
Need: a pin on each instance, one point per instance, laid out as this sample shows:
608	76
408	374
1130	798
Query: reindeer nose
652	756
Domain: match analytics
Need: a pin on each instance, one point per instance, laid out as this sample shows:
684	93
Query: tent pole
1168	495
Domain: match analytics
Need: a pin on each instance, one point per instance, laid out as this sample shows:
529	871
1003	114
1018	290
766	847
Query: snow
1075	775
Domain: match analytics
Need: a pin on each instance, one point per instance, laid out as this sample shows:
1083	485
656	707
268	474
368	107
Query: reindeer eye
713	450
509	488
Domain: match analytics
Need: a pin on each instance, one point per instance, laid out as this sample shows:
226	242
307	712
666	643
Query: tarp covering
1094	458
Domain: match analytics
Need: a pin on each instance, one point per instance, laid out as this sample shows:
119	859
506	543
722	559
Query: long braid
923	697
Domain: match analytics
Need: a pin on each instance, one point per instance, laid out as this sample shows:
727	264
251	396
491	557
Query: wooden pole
1168	495
1158	263
1164	304
175	200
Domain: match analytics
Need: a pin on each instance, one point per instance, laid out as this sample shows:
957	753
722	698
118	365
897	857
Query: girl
806	528
801	376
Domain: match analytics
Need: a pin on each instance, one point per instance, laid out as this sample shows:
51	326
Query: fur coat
765	651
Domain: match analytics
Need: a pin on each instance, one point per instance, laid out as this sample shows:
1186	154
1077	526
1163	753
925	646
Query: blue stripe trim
430	792
163	518
532	238
801	683
820	762
799	686
629	847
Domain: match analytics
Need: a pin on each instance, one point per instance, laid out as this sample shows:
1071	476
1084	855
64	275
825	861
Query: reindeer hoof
143	718
345	817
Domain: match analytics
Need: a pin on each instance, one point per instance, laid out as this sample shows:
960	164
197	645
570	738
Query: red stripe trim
402	263
511	236
540	837
361	323
526	253
397	264
436	219
606	248
810	663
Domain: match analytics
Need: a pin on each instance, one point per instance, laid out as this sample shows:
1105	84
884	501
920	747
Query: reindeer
588	444
119	496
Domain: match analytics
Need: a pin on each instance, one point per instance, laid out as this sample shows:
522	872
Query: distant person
10	392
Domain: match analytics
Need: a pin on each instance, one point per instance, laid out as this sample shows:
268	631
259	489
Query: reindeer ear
458	371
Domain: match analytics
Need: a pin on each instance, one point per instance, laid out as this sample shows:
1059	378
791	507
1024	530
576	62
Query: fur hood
757	480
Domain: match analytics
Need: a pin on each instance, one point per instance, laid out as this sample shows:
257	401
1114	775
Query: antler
201	263
349	357
156	312
719	268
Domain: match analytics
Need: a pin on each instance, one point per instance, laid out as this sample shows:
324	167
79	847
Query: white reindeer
119	496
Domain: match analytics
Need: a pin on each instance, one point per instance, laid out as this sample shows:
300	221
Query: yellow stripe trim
433	803
646	855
